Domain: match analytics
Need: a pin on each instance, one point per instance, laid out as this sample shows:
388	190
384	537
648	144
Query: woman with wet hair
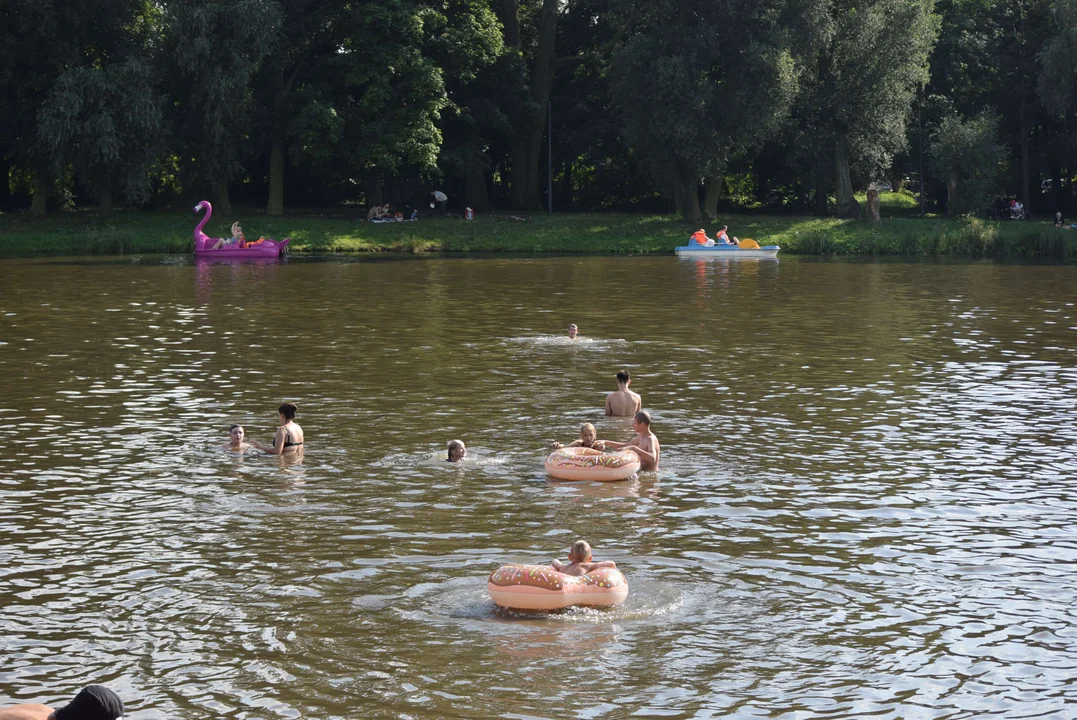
289	437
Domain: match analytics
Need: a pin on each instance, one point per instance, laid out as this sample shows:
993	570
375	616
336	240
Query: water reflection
863	507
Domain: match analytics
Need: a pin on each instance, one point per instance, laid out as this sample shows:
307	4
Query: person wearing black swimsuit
289	437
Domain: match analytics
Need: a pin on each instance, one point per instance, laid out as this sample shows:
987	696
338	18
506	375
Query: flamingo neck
205	219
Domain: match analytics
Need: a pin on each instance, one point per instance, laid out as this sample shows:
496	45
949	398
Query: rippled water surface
865	506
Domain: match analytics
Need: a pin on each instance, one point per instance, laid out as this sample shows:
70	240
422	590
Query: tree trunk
564	199
104	203
5	181
475	195
843	184
1058	198
873	206
1026	196
39	203
713	193
275	204
822	189
375	193
510	20
224	200
951	194
687	190
527	138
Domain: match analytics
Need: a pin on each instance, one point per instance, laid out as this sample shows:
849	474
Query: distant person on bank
441	199
94	702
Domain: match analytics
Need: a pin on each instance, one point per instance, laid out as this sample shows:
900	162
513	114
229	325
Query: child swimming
236	436
644	444
588	439
456	451
579	561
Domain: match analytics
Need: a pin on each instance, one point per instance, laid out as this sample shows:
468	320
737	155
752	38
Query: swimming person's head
642	421
236	434
588	434
94	702
457	451
624	377
572	330
579	552
287	412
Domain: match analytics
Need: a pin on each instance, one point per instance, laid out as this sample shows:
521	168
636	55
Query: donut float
580	463
540	587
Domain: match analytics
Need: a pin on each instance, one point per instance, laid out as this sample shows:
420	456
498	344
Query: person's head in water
624	378
94	702
642	421
236	435
287	412
572	331
588	434
579	552
457	451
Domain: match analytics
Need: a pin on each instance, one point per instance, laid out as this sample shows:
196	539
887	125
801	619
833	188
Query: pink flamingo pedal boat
203	244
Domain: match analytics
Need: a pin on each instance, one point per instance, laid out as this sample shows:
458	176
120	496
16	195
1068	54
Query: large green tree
698	82
212	52
103	114
868	69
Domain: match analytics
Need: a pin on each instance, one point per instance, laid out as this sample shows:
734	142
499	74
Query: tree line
783	105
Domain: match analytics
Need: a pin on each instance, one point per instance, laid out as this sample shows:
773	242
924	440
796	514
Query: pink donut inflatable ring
540	587
580	463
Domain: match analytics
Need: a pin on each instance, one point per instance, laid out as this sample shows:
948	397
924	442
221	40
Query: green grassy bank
86	232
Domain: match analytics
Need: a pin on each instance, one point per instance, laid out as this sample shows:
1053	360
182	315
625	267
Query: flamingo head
197	207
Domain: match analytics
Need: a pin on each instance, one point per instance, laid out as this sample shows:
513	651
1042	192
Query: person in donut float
645	444
588	439
579	561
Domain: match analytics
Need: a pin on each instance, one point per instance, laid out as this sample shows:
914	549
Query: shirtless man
579	561
645	444
624	402
95	702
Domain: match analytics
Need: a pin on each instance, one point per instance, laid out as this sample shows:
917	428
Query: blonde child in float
579	561
588	439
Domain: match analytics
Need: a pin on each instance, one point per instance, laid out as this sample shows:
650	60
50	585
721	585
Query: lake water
865	508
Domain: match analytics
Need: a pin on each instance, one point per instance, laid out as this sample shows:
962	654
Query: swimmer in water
235	439
579	561
573	331
289	437
94	702
644	444
623	402
588	439
457	451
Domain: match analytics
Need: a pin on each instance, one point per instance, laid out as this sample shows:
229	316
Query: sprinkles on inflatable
580	463
539	587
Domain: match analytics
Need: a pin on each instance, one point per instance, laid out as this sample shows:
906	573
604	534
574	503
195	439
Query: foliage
154	232
108	122
686	81
968	156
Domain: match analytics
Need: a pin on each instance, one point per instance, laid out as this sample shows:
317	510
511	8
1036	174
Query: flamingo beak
197	207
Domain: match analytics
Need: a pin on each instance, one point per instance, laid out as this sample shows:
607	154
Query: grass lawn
133	231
